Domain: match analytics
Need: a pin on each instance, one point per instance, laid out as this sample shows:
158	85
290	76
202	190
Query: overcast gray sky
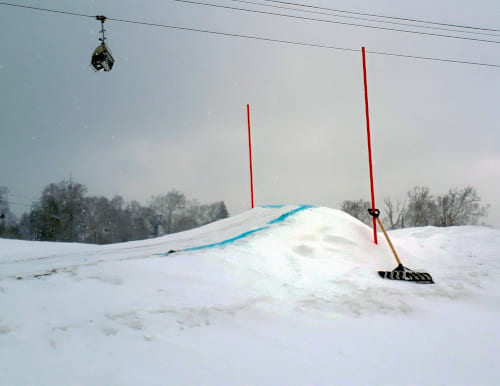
172	112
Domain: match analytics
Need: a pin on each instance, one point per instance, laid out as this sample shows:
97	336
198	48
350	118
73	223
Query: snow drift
276	295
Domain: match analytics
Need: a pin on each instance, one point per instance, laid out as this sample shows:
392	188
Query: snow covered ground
282	295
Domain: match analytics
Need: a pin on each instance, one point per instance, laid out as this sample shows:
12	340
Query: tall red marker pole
250	152
369	145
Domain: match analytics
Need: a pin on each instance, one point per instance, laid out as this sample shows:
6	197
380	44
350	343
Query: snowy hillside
282	295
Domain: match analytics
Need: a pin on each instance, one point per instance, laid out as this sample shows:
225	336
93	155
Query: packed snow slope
282	295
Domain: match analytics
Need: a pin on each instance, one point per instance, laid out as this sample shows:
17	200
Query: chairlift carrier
102	58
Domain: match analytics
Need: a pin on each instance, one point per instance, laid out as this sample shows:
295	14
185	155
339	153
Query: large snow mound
276	295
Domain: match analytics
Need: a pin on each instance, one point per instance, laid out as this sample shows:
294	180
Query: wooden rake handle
375	213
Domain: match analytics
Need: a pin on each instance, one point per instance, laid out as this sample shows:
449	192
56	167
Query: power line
260	38
22	196
362	18
382	16
334	22
20	204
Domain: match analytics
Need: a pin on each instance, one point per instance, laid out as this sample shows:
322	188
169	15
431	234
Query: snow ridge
243	235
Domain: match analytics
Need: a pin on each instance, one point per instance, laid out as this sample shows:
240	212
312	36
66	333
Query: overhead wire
22	196
20	199
47	10
380	16
308	44
20	204
297	17
259	38
329	13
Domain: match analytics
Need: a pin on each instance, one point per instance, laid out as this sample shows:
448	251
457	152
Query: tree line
421	208
64	212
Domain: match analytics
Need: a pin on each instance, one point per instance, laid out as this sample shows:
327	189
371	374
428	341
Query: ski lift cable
287	3
329	13
47	10
261	38
297	17
382	16
307	44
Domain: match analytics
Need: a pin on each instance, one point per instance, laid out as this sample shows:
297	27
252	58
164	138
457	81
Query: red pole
369	144
250	152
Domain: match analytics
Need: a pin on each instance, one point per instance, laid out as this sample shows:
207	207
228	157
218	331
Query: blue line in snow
279	219
228	241
288	214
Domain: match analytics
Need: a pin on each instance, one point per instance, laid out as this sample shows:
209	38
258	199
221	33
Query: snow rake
400	272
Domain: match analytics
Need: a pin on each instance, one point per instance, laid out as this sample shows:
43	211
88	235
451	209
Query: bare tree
358	209
140	217
395	213
459	207
193	215
96	227
421	207
168	206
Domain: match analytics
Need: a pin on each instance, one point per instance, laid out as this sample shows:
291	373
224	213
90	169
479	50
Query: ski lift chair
102	58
